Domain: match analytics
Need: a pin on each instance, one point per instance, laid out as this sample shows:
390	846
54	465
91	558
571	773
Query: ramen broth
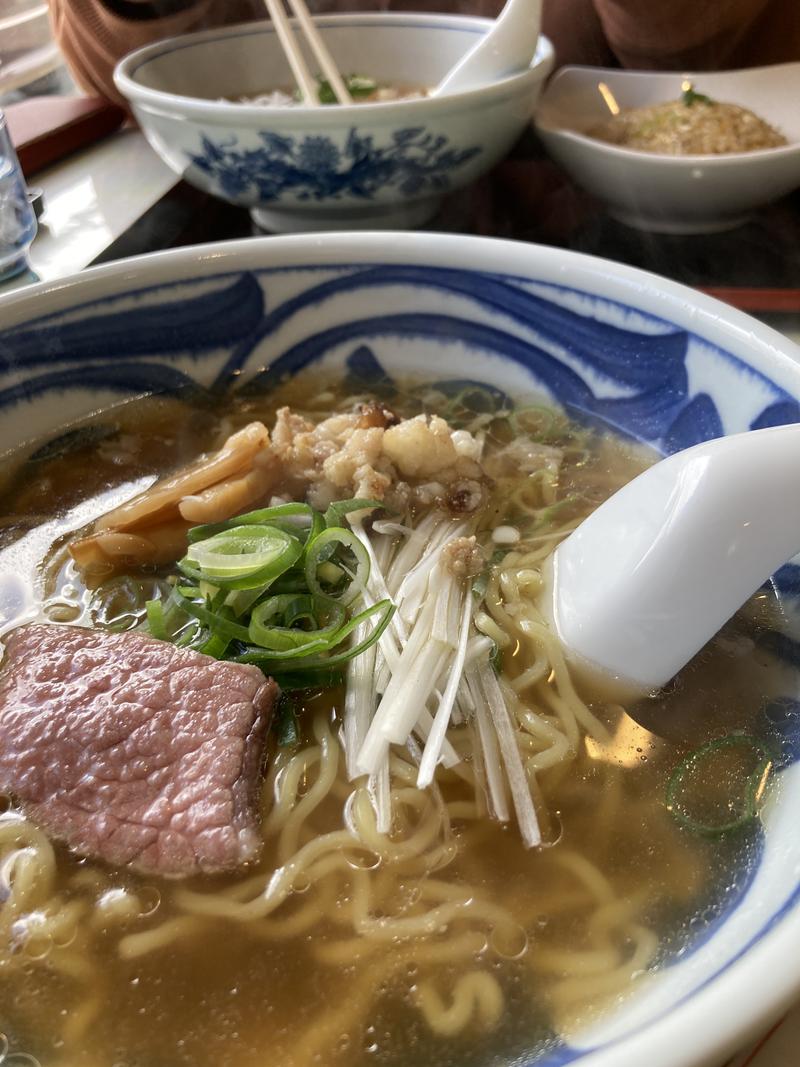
464	950
362	89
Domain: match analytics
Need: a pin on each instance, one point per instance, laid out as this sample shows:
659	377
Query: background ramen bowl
654	359
672	194
360	166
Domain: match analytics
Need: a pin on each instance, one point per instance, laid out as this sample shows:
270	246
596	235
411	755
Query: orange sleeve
574	28
674	34
648	34
685	34
93	38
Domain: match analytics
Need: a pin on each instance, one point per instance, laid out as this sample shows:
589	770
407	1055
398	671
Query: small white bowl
672	194
316	168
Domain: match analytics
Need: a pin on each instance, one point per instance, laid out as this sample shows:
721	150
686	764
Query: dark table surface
755	266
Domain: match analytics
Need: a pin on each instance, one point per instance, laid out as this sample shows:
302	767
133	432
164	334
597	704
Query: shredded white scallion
359	700
429	671
515	772
441	720
489	754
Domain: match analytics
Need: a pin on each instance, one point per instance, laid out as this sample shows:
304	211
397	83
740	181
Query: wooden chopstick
302	75
306	82
319	48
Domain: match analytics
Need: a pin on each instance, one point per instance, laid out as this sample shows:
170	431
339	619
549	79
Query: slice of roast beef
134	751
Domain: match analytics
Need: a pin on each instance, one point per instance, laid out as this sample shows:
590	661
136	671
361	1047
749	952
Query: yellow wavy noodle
373	906
387	905
475	996
376	890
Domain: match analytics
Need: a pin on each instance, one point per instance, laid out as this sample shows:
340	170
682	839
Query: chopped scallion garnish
690	97
275	587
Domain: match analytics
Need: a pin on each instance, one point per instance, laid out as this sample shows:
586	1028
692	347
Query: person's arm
680	34
95	34
574	29
674	34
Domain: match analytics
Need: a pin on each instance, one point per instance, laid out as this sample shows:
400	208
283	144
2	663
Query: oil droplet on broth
149	900
21	1059
509	942
37	946
363	860
59	611
63	938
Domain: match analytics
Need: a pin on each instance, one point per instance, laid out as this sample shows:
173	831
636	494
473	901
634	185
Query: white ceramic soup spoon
506	49
651	575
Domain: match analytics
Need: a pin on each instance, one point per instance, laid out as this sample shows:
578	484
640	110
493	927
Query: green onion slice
212	645
719	787
292	680
121	603
274	587
358	85
155	620
166	620
383	610
286	723
690	97
301	520
243	557
481	581
470	400
339	510
291	608
323	549
241	600
217	622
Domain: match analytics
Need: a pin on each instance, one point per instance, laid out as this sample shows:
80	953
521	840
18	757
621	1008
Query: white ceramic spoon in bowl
651	575
507	48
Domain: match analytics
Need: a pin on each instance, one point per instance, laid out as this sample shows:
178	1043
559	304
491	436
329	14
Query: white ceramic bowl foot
677	226
375	217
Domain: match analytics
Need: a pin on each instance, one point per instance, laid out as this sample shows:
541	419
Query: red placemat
44	129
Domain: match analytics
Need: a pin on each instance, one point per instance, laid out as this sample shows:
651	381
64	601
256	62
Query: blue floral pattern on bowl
313	167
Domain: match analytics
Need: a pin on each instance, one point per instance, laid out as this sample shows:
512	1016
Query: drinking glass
17	219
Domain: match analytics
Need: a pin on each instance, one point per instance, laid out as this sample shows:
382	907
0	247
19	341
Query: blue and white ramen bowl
368	165
647	357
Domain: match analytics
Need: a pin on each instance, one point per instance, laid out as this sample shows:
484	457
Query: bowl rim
682	1037
757	156
654	294
233	113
